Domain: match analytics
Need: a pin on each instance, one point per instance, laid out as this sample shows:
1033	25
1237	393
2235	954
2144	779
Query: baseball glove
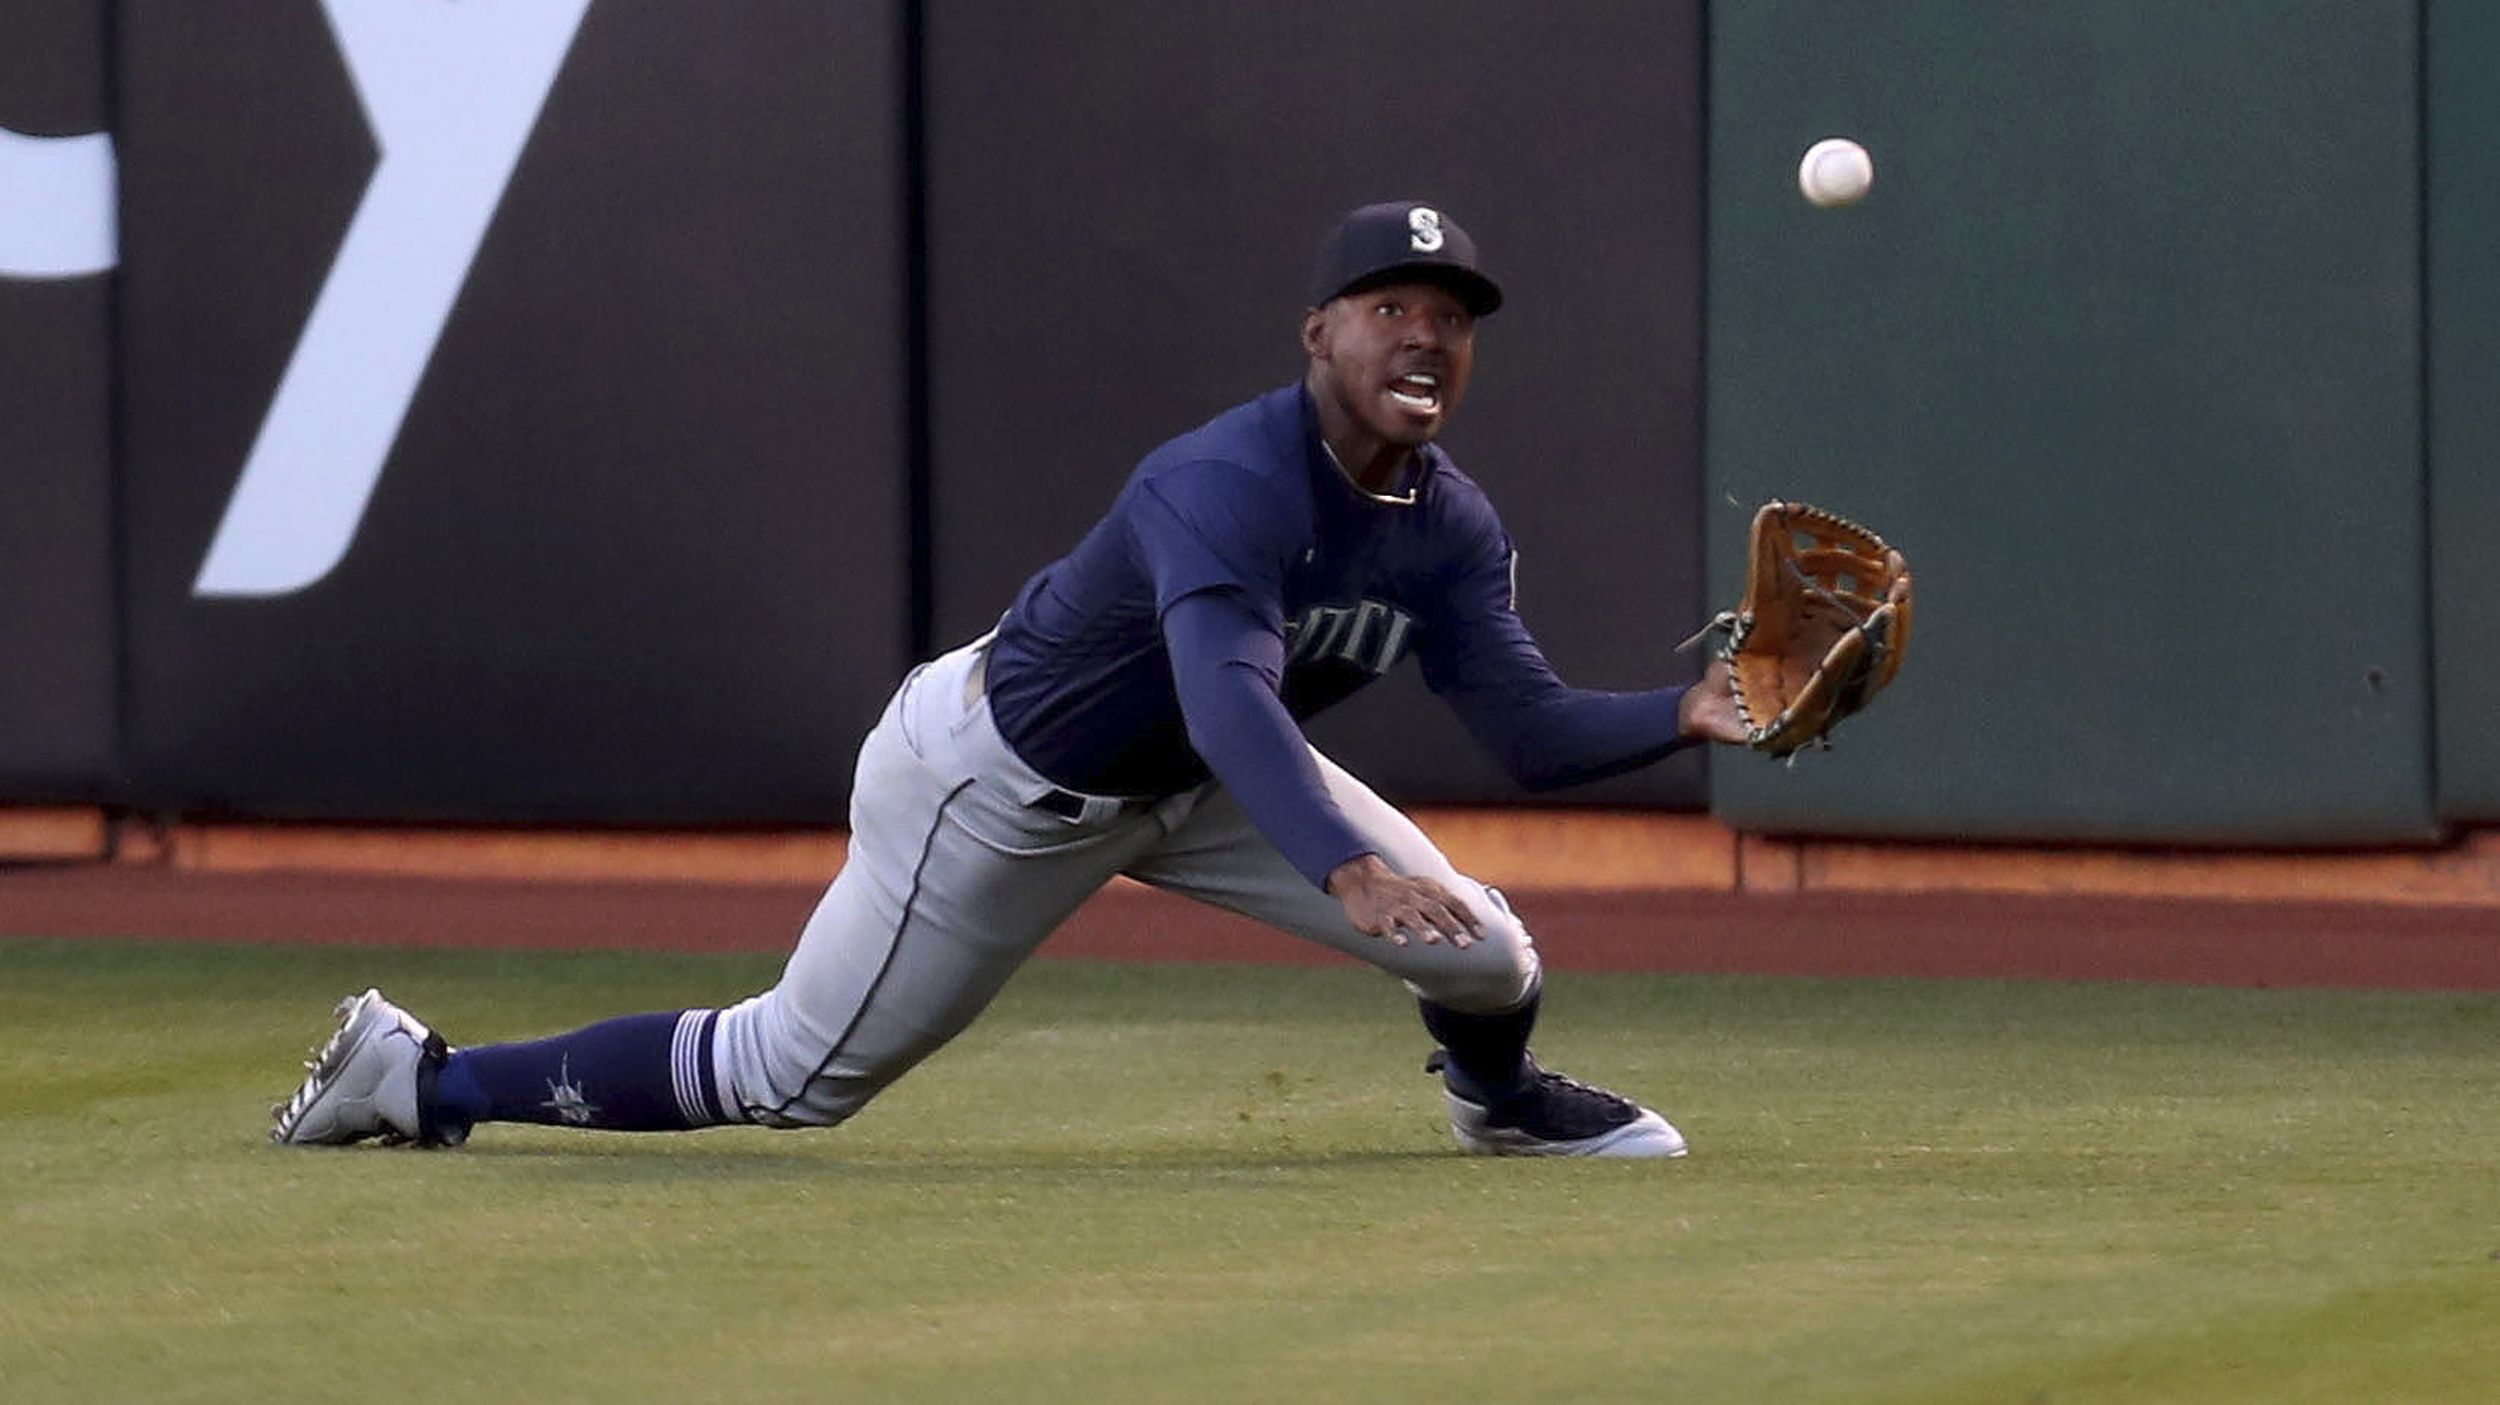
1822	628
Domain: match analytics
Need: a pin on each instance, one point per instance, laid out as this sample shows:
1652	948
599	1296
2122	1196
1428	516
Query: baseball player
1137	711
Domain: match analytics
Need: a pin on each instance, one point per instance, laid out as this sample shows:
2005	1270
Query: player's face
1395	359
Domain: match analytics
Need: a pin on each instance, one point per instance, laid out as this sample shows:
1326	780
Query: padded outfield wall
2462	208
511	407
783	341
2126	351
526	412
59	631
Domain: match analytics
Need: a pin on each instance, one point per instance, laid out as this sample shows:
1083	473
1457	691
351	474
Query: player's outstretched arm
1478	655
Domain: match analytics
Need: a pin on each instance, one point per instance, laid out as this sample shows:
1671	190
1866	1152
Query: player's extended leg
916	937
1479	1002
954	878
949	885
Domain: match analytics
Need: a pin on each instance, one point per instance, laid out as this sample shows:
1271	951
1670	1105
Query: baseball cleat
364	1081
1551	1115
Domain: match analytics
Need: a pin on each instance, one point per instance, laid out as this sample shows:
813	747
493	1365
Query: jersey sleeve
1211	525
1210	535
1225	668
1478	656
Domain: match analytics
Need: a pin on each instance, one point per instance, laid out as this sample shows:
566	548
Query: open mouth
1419	391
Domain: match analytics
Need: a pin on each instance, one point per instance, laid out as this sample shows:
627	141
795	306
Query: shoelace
1552	1083
1548	1083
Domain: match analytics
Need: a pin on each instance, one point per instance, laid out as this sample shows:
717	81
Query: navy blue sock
1490	1052
640	1073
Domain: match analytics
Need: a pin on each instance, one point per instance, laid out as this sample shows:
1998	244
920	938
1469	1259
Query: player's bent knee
1481	989
1493	974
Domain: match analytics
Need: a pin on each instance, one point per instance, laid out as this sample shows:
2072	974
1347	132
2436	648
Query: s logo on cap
1426	222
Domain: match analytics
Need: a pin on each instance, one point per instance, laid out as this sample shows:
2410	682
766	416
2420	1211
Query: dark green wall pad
2463	212
2125	352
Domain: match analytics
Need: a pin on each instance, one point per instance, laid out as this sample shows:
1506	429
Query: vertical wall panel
636	551
1123	205
2124	351
2463	210
58	737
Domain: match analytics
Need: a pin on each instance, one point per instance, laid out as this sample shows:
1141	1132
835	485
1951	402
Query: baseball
1836	171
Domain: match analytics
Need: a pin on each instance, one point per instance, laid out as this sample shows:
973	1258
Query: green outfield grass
1232	1184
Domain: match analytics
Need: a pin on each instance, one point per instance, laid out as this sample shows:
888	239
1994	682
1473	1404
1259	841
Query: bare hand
1384	903
1708	711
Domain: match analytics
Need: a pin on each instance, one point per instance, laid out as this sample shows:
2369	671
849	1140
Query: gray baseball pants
955	876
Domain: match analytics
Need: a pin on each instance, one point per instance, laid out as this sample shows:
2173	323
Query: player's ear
1314	331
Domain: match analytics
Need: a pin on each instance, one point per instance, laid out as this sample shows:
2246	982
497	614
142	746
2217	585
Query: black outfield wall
635	548
58	627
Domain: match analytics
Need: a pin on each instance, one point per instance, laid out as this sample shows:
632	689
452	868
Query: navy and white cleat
1551	1115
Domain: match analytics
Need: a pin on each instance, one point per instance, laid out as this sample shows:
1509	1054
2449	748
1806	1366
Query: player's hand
1708	711
1382	902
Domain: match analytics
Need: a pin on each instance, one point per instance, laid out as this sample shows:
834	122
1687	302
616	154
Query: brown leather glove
1822	628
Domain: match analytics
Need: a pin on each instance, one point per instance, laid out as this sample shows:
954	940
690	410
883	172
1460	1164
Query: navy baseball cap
1396	241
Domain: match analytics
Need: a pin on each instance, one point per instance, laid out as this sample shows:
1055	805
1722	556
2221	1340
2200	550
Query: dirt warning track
1948	935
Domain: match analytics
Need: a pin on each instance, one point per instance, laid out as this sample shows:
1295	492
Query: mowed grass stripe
1233	1184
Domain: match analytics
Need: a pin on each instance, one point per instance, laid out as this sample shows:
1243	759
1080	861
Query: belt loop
977	676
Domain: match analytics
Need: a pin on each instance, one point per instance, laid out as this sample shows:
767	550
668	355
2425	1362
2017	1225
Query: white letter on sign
451	91
56	205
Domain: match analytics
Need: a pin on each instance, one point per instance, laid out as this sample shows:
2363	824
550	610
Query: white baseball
1835	171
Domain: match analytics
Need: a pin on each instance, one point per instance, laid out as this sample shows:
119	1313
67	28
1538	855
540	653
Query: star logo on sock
565	1100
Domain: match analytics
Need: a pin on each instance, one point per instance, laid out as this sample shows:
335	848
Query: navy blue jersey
1251	506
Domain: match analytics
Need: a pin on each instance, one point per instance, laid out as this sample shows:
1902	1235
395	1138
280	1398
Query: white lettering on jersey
56	206
451	92
1370	634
